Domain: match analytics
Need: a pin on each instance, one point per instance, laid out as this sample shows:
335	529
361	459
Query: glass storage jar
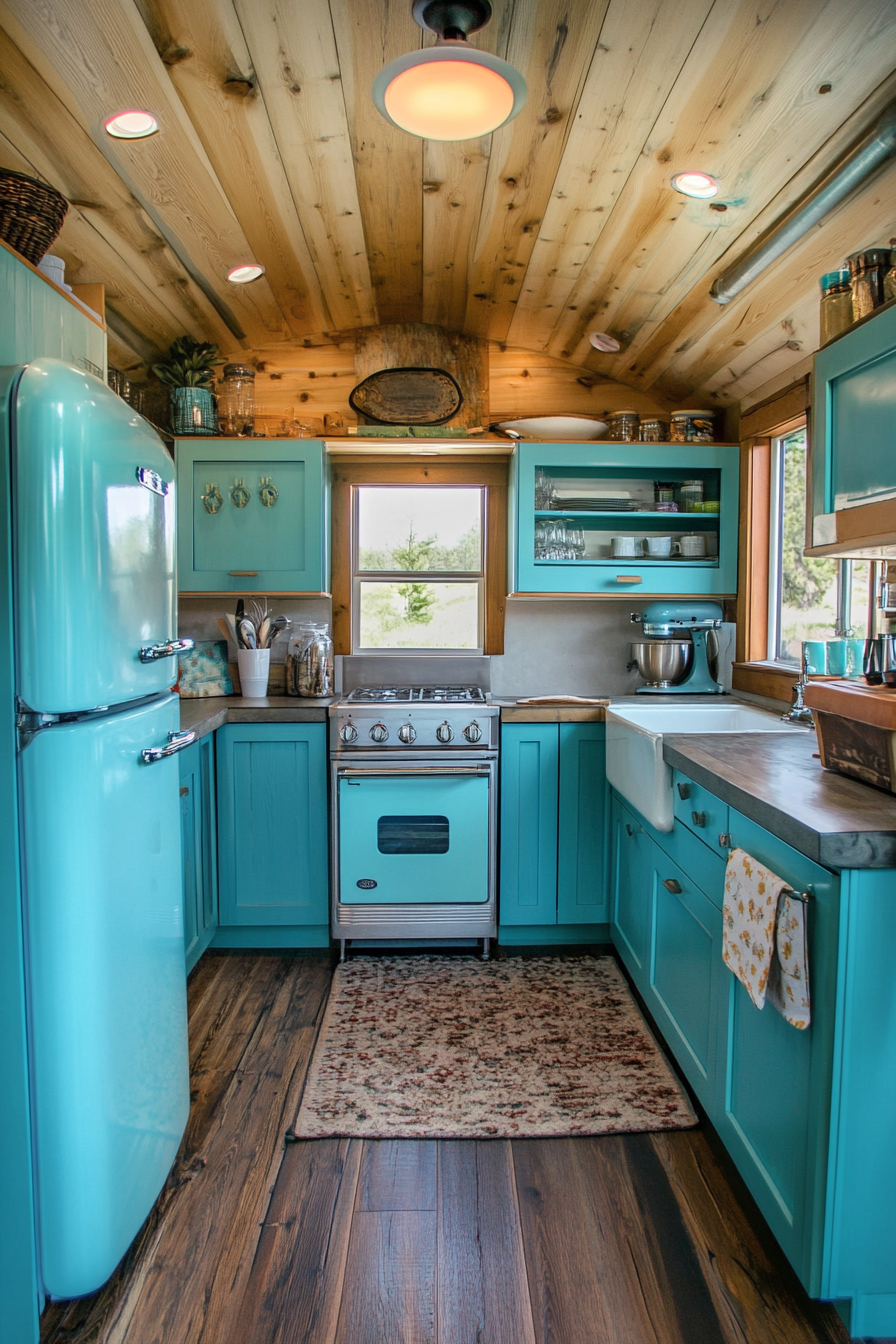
623	426
691	496
866	273
692	427
309	661
236	399
654	431
836	305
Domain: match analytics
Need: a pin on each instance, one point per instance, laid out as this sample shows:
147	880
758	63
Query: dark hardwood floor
630	1239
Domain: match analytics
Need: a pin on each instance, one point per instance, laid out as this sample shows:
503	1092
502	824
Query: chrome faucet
798	712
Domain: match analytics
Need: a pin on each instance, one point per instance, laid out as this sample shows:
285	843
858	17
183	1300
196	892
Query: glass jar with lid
236	399
836	305
866	273
690	496
623	426
309	661
654	430
692	427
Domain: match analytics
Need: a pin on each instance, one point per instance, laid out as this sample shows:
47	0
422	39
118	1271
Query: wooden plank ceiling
561	223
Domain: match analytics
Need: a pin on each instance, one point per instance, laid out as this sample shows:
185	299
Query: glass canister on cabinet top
835	313
236	400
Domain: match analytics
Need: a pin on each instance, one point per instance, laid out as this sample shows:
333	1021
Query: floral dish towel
749	915
788	981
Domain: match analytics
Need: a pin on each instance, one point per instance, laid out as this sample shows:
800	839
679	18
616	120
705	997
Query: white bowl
557	427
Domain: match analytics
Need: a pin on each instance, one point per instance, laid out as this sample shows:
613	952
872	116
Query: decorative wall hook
240	495
268	494
212	499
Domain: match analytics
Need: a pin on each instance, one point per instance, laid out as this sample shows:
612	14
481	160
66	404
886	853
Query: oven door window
412	835
413	839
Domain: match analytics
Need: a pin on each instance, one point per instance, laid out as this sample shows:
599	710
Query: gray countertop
206	714
777	781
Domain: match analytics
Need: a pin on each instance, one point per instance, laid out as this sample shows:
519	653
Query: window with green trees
804	598
419	569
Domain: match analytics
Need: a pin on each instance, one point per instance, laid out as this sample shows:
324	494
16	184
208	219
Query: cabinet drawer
699	810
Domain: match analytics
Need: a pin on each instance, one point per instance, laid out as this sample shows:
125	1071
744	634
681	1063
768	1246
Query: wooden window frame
788	410
489	474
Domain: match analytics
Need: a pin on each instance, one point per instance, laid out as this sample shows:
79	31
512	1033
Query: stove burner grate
446	695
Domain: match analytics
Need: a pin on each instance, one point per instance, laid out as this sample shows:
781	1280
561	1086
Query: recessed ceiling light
450	91
241	275
132	125
602	341
700	185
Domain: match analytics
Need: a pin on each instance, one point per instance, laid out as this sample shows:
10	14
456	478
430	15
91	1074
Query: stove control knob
444	732
348	732
407	734
472	732
379	732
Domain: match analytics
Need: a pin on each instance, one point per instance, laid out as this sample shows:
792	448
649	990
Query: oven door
414	836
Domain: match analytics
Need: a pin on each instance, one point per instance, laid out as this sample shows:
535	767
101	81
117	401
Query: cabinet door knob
684	791
632	830
725	839
698	818
671	885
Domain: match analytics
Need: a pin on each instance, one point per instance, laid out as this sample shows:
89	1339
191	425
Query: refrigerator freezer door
95	567
106	984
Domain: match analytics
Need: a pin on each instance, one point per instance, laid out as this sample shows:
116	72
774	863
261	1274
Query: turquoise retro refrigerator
94	635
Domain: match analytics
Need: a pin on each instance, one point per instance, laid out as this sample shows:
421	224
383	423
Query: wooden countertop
205	714
776	781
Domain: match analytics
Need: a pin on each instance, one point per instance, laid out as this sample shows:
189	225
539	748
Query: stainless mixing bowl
663	662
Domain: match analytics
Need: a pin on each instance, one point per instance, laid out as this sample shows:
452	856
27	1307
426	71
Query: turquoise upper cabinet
38	319
272	827
252	516
853	412
566	544
554	825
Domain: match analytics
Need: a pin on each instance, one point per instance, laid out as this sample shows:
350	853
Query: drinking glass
872	662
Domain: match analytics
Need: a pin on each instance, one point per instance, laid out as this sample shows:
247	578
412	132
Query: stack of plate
594	501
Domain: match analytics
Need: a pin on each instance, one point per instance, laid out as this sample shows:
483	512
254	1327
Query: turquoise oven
414	848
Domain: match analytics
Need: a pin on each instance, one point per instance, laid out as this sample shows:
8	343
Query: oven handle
346	772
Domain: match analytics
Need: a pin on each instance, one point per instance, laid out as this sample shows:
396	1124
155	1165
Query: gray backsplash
552	646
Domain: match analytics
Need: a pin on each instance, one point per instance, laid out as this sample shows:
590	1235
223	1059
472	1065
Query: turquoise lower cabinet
200	851
530	756
252	516
272	835
554	831
583	825
687	975
632	895
777	1099
807	1116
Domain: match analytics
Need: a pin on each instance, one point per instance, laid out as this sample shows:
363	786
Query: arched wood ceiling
562	222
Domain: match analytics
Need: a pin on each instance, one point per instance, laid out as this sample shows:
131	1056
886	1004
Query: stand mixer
674	659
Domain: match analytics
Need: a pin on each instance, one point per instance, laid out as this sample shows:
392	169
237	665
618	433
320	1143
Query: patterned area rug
446	1047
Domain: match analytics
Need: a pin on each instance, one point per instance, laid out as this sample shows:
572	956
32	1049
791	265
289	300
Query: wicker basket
31	214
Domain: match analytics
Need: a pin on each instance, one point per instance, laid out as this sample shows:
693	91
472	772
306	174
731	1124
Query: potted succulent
189	376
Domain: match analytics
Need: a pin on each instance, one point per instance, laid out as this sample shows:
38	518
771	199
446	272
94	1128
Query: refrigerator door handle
176	742
151	652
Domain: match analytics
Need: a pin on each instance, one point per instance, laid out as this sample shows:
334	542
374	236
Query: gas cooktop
445	695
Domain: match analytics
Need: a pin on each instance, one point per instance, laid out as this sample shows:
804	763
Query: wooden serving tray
875	705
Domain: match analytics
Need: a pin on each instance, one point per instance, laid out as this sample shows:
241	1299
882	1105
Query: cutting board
409	396
854	700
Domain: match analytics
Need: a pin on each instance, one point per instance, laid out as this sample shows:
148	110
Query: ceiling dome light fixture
449	91
132	125
700	185
242	275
